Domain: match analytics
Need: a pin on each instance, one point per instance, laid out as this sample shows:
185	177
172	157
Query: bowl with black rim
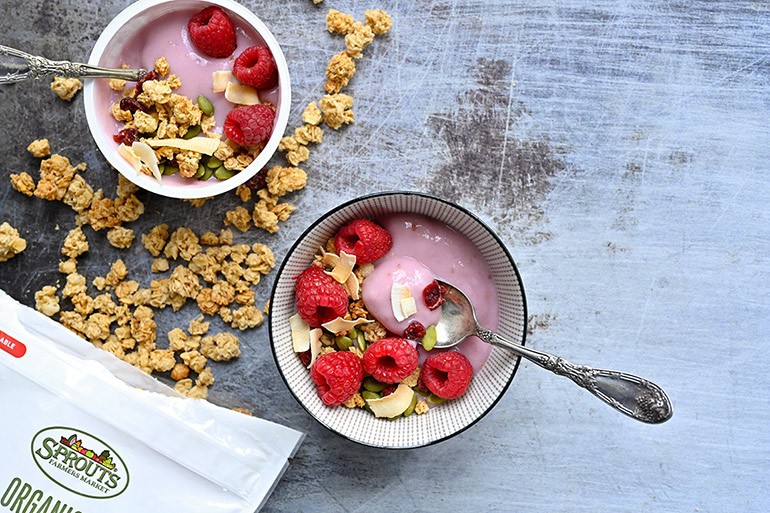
445	420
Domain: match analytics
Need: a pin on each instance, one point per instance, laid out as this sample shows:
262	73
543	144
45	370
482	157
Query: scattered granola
46	301
339	71
337	110
359	37
121	237
24	183
379	21
338	22
39	148
11	243
66	88
312	114
75	243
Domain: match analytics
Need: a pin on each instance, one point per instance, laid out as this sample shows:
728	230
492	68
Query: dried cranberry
127	136
150	75
131	105
415	331
304	357
258	181
388	390
433	295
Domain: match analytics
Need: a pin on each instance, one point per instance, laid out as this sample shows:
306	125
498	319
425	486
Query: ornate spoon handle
635	396
37	67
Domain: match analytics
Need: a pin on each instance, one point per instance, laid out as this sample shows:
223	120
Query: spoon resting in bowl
637	397
23	66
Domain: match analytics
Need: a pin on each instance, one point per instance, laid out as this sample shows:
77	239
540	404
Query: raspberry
256	67
337	376
250	125
433	295
212	32
364	239
320	298
447	374
415	331
390	360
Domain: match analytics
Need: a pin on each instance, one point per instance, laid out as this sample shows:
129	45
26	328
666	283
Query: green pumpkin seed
213	162
344	343
200	171
192	132
373	385
205	105
361	341
353	333
222	173
410	409
434	399
170	170
162	168
429	340
206	174
368	395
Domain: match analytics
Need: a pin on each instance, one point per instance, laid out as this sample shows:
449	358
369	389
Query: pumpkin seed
222	173
206	174
213	162
169	169
367	395
434	399
192	132
200	172
429	340
373	385
344	343
205	105
361	341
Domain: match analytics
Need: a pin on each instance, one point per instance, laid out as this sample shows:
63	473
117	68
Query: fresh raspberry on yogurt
212	32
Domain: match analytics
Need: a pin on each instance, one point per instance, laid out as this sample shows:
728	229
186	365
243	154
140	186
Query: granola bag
82	431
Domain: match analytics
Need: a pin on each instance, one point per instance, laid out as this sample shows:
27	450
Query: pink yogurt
424	248
167	36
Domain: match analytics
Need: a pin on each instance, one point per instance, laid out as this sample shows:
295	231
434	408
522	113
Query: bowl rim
216	187
358	199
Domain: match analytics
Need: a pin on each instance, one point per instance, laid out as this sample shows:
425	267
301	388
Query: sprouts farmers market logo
80	462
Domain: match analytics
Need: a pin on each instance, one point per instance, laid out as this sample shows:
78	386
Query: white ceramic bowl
450	418
120	37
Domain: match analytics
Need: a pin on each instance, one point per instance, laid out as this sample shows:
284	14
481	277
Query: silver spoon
25	66
636	397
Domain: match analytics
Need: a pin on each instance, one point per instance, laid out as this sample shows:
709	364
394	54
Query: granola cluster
66	88
11	243
335	109
117	313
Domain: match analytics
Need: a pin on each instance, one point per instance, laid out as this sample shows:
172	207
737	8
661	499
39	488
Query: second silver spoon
637	397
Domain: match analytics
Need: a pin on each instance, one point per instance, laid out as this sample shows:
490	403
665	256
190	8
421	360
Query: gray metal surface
621	151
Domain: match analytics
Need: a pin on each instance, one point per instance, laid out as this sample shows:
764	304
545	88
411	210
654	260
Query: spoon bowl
637	397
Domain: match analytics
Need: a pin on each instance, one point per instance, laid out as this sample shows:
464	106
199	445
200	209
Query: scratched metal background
621	150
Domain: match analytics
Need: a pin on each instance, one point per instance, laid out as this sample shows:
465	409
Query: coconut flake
399	292
220	80
131	157
205	145
408	307
339	324
300	333
149	159
241	94
353	287
315	345
344	267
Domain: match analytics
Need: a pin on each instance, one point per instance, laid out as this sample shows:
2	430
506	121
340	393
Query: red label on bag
12	346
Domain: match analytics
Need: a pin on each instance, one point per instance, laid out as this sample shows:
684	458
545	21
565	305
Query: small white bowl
450	418
119	38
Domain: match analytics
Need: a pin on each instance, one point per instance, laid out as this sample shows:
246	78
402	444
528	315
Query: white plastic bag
81	431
